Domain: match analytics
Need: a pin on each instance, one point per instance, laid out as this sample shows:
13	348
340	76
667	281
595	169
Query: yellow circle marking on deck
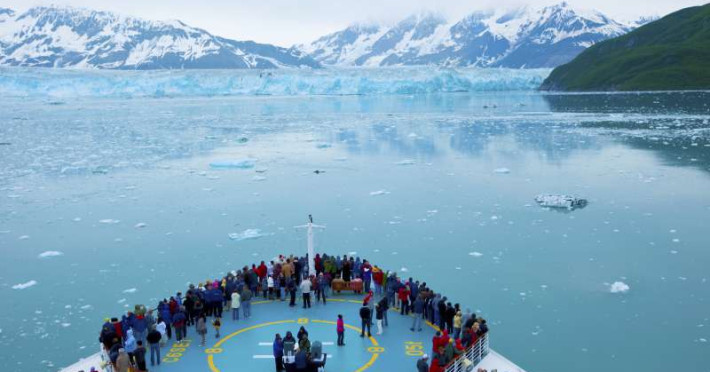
213	367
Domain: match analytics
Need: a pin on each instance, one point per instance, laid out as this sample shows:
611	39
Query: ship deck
246	344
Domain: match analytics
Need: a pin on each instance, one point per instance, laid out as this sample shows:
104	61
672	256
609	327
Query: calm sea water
439	187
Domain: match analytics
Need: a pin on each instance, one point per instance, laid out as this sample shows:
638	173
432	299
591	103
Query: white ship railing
471	356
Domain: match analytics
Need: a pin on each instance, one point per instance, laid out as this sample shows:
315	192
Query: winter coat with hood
130	345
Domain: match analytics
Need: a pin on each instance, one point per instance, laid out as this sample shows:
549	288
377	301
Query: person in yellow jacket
457	324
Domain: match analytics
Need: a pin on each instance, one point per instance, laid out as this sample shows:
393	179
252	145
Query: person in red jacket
435	342
378	277
404	298
261	271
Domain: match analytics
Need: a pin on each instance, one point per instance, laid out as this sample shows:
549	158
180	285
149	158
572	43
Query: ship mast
311	249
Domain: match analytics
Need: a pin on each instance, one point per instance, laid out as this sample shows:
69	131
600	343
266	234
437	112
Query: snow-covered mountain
524	37
71	37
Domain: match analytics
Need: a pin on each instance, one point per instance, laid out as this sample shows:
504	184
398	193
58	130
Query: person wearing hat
423	364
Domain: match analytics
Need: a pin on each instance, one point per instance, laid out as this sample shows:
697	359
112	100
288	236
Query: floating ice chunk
405	162
379	192
86	307
245	163
121	301
23	237
619	287
501	170
109	221
560	201
48	254
140	225
702	340
475	254
676	240
259	178
404	269
353	253
77	219
25	285
494	218
130	290
247	234
65	325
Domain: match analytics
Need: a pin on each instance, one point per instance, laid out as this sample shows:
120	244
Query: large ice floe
246	163
48	254
25	285
247	234
619	287
561	201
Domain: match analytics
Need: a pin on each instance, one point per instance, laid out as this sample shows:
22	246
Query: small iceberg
130	290
48	254
560	201
379	192
25	285
619	287
140	225
246	163
476	254
501	170
406	162
246	234
109	221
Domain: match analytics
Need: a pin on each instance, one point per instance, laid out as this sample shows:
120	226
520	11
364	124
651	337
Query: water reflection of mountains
677	129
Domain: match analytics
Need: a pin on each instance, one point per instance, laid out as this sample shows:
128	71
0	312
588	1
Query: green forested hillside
672	53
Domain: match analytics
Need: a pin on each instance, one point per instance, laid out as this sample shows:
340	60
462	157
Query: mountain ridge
85	38
523	37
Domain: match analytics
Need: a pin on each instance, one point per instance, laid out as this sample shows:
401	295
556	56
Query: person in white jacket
162	328
236	304
306	291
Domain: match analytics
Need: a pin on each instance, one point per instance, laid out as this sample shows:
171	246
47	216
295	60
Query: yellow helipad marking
373	358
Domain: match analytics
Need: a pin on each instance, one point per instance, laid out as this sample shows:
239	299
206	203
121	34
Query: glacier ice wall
28	82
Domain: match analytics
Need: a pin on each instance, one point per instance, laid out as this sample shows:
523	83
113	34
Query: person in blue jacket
140	327
301	361
130	345
279	352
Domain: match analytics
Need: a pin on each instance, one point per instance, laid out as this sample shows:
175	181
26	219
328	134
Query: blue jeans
154	351
246	306
139	336
417	324
235	313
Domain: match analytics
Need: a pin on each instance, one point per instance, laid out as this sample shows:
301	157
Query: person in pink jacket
340	328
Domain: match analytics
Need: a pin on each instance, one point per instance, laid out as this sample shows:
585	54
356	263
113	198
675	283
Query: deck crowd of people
125	339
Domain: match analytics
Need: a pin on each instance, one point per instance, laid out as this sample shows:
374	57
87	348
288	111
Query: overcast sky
286	22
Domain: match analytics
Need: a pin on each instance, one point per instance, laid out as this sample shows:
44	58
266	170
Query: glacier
67	83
